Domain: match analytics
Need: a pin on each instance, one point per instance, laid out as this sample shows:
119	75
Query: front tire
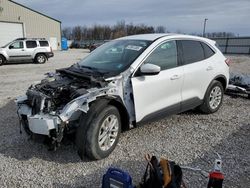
40	58
101	133
213	98
2	60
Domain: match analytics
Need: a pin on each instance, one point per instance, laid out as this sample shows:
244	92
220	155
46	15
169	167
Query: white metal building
18	21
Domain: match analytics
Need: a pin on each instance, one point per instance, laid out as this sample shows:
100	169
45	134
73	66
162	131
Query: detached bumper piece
239	84
237	90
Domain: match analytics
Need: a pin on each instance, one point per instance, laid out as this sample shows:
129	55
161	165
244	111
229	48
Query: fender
225	81
220	78
4	55
117	102
37	51
81	103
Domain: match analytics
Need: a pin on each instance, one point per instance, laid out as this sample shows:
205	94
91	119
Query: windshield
6	44
114	57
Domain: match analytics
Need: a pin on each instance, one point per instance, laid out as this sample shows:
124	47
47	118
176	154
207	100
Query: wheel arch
222	79
205	106
2	55
4	59
116	102
38	53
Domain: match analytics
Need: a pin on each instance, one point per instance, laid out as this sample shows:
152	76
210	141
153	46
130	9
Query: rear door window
31	44
43	43
192	51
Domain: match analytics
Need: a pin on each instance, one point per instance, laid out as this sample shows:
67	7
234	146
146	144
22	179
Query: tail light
228	61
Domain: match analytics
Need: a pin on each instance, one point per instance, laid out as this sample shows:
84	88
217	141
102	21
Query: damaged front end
56	103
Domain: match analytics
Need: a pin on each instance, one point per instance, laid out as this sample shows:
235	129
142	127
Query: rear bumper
49	54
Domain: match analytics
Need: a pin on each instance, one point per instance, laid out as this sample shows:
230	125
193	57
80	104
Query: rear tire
40	58
2	60
99	131
213	98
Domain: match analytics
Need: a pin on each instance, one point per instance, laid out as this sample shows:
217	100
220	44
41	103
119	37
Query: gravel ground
189	138
241	64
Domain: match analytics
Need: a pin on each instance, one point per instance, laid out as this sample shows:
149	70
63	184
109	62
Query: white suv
123	83
26	50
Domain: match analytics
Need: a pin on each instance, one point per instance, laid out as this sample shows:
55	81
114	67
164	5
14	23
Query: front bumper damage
44	123
51	125
39	123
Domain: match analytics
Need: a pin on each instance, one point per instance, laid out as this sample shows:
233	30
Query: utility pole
204	28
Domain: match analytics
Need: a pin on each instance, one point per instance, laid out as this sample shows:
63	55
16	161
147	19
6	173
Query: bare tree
84	32
120	29
67	32
160	29
77	33
107	32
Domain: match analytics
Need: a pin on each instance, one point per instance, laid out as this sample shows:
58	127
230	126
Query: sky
185	16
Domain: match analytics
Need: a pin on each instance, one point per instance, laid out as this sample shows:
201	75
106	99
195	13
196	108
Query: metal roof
35	11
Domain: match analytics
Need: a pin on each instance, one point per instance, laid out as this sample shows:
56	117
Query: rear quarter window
192	51
43	43
207	50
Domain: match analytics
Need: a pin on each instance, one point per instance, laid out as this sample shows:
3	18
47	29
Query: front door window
16	45
164	56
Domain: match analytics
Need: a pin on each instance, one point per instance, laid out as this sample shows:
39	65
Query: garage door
10	31
53	43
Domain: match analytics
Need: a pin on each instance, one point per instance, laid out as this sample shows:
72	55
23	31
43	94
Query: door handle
209	68
23	49
175	77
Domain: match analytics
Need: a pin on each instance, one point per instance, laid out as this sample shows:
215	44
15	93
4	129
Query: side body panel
155	93
161	93
17	54
197	77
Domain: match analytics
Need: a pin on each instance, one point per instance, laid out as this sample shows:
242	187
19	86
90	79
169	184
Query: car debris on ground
239	84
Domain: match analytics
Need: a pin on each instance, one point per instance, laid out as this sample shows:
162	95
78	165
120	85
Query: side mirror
150	69
11	47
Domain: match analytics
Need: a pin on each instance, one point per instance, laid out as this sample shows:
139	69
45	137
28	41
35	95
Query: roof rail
30	39
20	39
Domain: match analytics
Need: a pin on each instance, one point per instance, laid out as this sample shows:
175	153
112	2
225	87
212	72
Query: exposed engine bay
55	91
